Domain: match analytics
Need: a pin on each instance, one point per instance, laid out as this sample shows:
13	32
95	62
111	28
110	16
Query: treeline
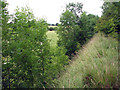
27	59
52	27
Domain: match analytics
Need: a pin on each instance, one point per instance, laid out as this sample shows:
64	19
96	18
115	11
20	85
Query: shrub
26	51
67	32
28	59
75	29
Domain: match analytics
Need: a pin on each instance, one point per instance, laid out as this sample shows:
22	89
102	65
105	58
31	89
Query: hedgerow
28	61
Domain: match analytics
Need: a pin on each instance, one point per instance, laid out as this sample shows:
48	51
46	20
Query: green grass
96	65
52	36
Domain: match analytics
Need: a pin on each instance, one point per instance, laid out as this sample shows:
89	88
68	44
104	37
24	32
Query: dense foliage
0	58
67	33
109	23
97	64
76	28
28	60
24	54
86	24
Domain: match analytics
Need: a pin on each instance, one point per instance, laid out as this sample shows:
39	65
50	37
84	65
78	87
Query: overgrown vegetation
109	23
33	57
76	28
96	65
28	60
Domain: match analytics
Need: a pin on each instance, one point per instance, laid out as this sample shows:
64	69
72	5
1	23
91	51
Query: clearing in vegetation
52	36
96	65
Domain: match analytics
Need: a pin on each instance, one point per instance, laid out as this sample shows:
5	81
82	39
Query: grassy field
96	65
52	36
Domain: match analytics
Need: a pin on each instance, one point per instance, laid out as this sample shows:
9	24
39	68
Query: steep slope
96	65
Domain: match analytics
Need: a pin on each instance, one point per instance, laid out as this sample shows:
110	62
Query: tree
28	59
76	27
5	18
76	9
92	20
5	42
109	22
86	24
67	32
26	51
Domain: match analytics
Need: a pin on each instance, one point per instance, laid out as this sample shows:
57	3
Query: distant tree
48	24
51	28
56	24
53	25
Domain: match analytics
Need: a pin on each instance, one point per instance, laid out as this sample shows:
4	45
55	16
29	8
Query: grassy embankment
96	65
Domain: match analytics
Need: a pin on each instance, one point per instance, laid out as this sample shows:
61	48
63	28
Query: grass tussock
95	66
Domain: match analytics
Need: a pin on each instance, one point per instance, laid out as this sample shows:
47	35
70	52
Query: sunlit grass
52	36
95	66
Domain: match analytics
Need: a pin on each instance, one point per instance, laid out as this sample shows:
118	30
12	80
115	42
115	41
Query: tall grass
95	66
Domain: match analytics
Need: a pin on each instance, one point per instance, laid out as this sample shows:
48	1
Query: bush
28	59
26	52
67	32
56	63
